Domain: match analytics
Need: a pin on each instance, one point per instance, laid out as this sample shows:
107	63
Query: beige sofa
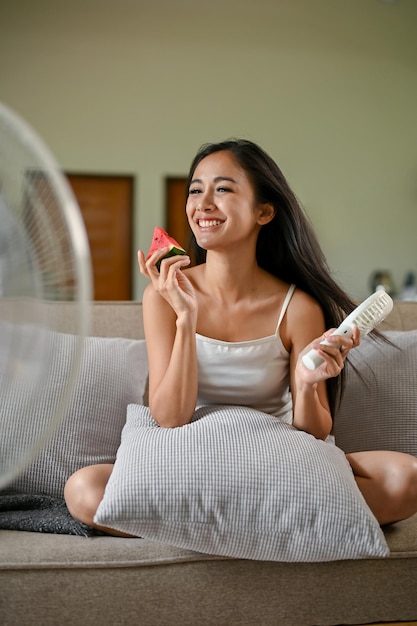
50	579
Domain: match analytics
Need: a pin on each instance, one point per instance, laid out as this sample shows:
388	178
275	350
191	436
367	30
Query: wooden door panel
106	204
177	223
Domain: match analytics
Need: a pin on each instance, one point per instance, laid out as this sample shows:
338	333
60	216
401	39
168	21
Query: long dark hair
287	246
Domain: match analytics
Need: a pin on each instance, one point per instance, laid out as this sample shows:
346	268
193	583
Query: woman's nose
205	203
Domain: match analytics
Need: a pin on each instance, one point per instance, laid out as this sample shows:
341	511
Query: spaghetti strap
285	305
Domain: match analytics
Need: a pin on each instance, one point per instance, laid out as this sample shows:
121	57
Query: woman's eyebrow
217	179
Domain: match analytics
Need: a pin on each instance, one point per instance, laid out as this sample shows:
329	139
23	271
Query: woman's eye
193	191
223	189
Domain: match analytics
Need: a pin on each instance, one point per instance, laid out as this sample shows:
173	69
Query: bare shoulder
150	294
304	307
155	307
305	319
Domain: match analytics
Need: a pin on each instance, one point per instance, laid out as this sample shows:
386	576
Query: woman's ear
266	213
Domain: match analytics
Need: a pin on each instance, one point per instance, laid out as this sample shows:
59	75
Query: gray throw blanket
40	513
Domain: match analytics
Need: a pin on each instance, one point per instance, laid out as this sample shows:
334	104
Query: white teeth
208	223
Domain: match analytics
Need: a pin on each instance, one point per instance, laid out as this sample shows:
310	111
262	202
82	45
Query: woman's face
221	205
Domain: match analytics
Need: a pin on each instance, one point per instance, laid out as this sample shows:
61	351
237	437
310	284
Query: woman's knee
84	491
388	481
401	488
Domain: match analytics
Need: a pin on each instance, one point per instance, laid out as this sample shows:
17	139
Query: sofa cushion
379	406
113	374
237	482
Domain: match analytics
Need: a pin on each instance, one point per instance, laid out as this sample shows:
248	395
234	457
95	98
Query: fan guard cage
45	286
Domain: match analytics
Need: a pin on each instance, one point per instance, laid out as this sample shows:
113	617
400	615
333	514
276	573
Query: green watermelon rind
173	251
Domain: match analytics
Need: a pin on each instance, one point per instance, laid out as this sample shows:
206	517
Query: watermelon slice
161	239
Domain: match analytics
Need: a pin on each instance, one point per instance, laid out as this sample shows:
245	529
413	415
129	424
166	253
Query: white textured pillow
239	483
380	411
113	374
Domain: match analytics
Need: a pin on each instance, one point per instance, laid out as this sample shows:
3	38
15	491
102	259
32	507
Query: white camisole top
247	373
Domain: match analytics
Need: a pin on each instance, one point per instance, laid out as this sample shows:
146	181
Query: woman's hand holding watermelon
169	280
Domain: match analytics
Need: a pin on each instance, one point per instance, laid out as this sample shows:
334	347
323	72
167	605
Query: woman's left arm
311	411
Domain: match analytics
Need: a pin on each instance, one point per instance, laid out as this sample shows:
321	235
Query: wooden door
106	204
176	220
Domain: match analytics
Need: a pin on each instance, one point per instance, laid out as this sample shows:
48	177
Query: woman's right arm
170	320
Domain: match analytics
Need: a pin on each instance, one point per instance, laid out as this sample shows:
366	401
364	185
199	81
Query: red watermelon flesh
161	239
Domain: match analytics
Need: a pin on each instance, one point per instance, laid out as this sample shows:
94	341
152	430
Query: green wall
328	87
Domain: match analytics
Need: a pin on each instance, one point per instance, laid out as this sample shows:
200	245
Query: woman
233	328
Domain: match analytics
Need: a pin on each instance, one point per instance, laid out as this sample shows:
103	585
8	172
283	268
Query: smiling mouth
208	223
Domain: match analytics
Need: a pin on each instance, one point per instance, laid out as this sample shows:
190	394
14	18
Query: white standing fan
45	288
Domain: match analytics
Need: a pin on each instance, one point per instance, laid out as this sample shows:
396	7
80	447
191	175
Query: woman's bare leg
83	493
388	482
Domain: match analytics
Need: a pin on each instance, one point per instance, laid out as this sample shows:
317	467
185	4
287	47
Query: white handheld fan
45	288
366	317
